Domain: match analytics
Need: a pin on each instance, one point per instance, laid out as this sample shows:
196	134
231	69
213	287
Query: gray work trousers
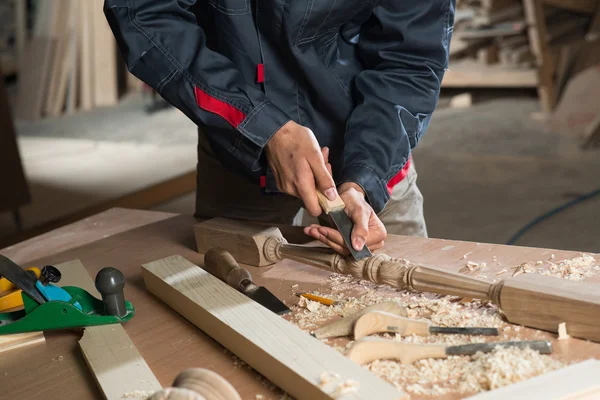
222	193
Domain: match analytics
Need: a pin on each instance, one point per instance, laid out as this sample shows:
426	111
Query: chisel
381	321
221	264
367	350
335	210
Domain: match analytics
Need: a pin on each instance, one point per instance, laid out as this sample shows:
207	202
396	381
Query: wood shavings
539	262
259	397
524	268
137	394
464	374
562	331
472	266
346	387
464	257
575	269
494	258
341	388
328	377
501	272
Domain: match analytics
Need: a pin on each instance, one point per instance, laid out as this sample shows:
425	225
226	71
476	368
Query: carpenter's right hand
298	165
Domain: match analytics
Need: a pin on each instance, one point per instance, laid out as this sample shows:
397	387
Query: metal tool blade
265	298
20	278
464	331
543	346
345	225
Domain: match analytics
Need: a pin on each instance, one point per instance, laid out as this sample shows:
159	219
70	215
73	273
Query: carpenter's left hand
368	228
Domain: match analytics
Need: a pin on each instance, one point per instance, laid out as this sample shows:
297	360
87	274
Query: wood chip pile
457	375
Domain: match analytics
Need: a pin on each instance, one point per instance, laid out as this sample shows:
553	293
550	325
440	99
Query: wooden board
466	74
18	340
578	108
114	360
128	239
104	77
37	56
537	31
584	6
579	381
85	45
288	356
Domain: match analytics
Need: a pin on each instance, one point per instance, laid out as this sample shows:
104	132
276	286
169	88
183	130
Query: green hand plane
49	307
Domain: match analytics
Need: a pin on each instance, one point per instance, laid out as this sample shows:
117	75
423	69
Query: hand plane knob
110	283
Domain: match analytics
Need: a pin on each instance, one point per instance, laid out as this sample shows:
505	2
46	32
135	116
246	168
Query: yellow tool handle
10	295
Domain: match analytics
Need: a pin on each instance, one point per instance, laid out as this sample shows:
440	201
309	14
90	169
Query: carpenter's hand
299	167
368	228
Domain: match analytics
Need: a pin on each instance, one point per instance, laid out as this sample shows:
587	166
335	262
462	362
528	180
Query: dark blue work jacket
363	75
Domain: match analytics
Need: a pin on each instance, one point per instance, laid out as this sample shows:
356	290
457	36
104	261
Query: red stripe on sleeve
227	111
260	73
399	177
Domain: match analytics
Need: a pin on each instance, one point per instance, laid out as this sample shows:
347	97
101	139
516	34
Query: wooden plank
512	12
537	32
104	77
291	358
59	58
18	340
577	381
578	108
112	357
498	30
66	66
468	74
32	79
585	6
74	58
86	87
488	55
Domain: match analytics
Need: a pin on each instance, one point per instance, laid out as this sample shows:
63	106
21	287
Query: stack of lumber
496	32
511	43
69	63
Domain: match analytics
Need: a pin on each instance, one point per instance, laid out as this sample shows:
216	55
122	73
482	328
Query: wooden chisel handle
328	205
220	263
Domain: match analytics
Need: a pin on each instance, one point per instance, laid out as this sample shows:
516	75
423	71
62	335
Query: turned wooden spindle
533	300
383	270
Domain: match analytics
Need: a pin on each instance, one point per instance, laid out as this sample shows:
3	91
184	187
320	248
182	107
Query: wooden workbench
128	238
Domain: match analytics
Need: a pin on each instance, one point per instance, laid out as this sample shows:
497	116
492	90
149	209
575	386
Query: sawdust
466	374
137	394
456	374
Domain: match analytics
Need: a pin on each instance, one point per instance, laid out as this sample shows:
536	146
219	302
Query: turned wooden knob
198	384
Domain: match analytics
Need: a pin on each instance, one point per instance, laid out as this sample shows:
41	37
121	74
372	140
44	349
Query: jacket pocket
231	7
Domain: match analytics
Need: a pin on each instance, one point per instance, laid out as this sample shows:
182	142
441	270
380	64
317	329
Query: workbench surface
126	239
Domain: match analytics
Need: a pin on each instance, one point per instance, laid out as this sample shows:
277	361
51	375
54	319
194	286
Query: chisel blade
265	298
543	346
345	226
337	213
